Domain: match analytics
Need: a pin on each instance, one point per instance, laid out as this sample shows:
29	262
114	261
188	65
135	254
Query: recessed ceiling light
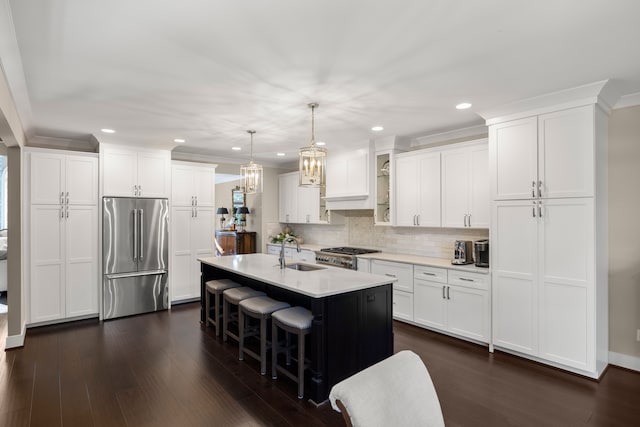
320	143
105	130
377	128
179	140
463	106
280	154
236	148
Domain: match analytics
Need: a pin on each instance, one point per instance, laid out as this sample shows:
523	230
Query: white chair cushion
262	305
294	317
394	392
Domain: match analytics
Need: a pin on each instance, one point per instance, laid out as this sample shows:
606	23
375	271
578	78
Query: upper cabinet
417	189
192	184
63	179
135	173
288	197
465	186
382	212
302	205
545	156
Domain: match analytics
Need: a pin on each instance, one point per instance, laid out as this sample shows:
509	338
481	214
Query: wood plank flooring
164	369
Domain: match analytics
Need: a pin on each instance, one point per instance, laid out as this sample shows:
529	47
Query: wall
624	231
14	254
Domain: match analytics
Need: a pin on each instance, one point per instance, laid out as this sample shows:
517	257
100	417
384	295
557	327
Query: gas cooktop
345	250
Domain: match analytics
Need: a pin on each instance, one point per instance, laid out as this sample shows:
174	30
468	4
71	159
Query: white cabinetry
348	175
305	255
297	204
549	277
135	173
465	186
417	189
63	230
192	226
453	301
402	289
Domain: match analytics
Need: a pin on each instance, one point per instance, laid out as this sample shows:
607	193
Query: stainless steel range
344	257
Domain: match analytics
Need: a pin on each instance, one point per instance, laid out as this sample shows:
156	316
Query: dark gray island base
350	332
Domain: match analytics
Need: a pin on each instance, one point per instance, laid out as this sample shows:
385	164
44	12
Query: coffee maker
462	252
481	253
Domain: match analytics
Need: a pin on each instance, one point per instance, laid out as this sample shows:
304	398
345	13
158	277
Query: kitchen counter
352	325
316	284
420	260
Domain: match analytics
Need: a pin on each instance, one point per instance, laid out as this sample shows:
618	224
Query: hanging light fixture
251	173
313	159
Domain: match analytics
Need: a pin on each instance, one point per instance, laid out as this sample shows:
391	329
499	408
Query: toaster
462	252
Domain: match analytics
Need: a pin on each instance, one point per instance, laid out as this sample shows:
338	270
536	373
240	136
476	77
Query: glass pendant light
251	173
313	159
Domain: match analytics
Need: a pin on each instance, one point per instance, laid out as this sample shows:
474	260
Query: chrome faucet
281	258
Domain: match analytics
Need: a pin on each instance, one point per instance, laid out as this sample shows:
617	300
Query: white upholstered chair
394	392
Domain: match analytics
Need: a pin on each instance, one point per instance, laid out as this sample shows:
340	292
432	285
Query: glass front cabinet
383	208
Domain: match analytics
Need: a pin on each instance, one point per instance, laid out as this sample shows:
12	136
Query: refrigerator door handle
141	211
138	274
135	234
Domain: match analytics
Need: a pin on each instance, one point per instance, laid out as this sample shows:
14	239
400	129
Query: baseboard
14	341
624	360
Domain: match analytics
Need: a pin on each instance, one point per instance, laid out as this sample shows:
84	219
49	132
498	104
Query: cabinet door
429	190
81	266
348	175
430	304
120	172
202	235
308	205
47	263
181	254
407	190
567	282
182	185
47	178
288	197
402	305
514	234
273	249
154	172
455	187
205	180
479	199
566	153
513	158
468	312
403	272
81	180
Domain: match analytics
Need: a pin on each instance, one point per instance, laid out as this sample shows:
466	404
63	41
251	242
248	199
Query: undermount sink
305	267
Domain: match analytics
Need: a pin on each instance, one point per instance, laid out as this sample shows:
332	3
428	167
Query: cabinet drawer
433	274
307	256
469	280
402	305
403	272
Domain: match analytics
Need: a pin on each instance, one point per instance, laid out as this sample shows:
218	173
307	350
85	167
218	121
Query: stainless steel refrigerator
135	252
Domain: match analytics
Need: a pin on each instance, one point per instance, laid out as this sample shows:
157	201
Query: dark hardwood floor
164	369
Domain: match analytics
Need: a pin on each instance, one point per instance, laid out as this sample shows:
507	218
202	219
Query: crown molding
478	131
630	100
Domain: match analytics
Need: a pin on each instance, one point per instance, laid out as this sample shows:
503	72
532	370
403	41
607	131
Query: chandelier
313	159
251	173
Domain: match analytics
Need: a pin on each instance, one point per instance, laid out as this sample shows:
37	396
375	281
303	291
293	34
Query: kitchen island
352	324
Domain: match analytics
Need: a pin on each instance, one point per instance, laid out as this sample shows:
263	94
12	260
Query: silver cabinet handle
469	220
540	209
539	188
418	219
67	198
448	288
192	201
533	211
389	275
466	280
135	190
533	189
196	197
428	274
308	218
61	212
443	297
67	211
414	220
135	234
139	190
142	233
196	212
192	212
62	197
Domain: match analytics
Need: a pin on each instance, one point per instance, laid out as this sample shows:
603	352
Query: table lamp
223	212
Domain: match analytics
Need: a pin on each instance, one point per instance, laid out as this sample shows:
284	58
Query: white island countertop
317	284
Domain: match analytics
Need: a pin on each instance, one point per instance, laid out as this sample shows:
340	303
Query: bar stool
294	320
260	308
233	297
215	288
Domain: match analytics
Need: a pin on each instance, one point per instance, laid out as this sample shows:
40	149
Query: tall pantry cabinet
548	235
192	226
63	235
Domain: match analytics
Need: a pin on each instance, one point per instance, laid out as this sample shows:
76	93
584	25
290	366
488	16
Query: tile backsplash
359	230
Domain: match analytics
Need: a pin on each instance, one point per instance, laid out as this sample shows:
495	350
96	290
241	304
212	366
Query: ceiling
207	70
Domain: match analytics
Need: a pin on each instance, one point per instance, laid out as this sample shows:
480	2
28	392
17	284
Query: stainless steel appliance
344	256
135	252
462	252
481	253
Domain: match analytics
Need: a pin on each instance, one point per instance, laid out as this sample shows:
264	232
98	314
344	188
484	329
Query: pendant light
251	173
313	159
